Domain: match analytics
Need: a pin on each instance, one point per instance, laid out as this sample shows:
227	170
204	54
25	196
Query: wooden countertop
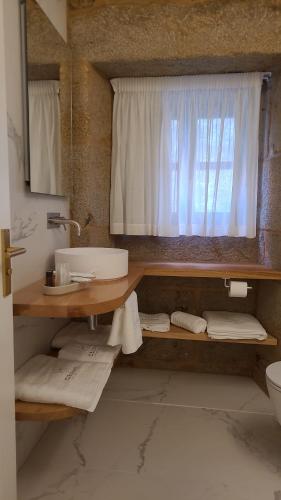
209	270
97	298
104	296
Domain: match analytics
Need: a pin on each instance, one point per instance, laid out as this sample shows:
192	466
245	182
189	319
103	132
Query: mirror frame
24	84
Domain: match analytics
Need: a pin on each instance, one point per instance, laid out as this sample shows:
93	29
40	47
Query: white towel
189	322
89	353
229	325
44	379
79	332
155	322
126	330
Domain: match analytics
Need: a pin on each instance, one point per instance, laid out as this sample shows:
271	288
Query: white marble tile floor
158	435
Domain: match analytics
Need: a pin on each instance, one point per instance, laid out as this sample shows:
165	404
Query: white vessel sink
106	263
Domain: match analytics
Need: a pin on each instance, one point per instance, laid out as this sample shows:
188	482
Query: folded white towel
89	353
229	325
79	332
188	321
44	379
126	330
155	322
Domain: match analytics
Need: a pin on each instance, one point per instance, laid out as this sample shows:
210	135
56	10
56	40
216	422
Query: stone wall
193	295
269	292
175	37
91	138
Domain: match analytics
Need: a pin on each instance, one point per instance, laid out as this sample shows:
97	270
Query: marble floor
161	435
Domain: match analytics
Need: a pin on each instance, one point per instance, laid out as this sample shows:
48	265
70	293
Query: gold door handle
14	251
7	252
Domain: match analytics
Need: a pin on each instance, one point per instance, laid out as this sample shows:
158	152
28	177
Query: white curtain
45	136
185	155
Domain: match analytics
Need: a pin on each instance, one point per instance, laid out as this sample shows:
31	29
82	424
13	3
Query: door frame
7	392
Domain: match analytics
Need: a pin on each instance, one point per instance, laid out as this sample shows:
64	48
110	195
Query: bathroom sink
106	263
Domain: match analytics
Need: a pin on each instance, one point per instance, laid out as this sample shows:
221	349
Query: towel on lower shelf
89	353
231	325
126	330
155	322
189	322
79	332
44	379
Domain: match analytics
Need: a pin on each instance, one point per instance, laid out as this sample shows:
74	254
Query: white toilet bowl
273	380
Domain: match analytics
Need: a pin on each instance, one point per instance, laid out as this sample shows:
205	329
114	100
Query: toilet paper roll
238	289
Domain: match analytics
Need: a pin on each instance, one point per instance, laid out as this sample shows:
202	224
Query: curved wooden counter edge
98	297
44	412
105	296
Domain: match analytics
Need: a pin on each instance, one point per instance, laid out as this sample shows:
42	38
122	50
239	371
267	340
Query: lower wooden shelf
177	333
44	412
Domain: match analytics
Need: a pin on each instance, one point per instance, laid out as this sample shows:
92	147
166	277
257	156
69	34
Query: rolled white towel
189	322
79	332
89	353
44	379
155	322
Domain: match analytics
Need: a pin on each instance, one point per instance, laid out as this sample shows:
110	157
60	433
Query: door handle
14	251
7	252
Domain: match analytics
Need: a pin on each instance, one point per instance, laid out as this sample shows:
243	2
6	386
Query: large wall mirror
47	102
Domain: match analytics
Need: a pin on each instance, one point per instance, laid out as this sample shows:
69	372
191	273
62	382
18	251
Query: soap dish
62	289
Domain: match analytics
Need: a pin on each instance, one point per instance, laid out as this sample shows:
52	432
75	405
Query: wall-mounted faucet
55	219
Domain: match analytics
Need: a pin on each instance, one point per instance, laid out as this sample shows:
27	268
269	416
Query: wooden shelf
209	270
98	298
44	412
177	333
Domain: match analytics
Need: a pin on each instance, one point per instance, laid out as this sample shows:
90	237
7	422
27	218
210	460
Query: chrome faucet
58	220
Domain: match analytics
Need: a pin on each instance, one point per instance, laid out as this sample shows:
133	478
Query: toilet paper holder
227	284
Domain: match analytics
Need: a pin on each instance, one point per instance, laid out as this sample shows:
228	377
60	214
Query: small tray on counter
63	289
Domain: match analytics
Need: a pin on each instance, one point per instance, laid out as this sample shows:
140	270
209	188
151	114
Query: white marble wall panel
29	228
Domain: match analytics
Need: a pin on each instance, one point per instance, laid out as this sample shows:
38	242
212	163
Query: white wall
29	228
56	10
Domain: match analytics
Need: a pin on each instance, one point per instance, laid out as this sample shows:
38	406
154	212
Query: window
185	155
220	150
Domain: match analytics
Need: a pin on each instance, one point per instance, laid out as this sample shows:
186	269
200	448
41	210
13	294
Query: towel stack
79	332
77	377
44	379
155	322
229	325
89	353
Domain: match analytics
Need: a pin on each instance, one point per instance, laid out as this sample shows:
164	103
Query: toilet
273	380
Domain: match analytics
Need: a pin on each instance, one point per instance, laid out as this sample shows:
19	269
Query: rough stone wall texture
166	354
175	30
269	293
45	45
194	249
92	116
154	37
161	37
